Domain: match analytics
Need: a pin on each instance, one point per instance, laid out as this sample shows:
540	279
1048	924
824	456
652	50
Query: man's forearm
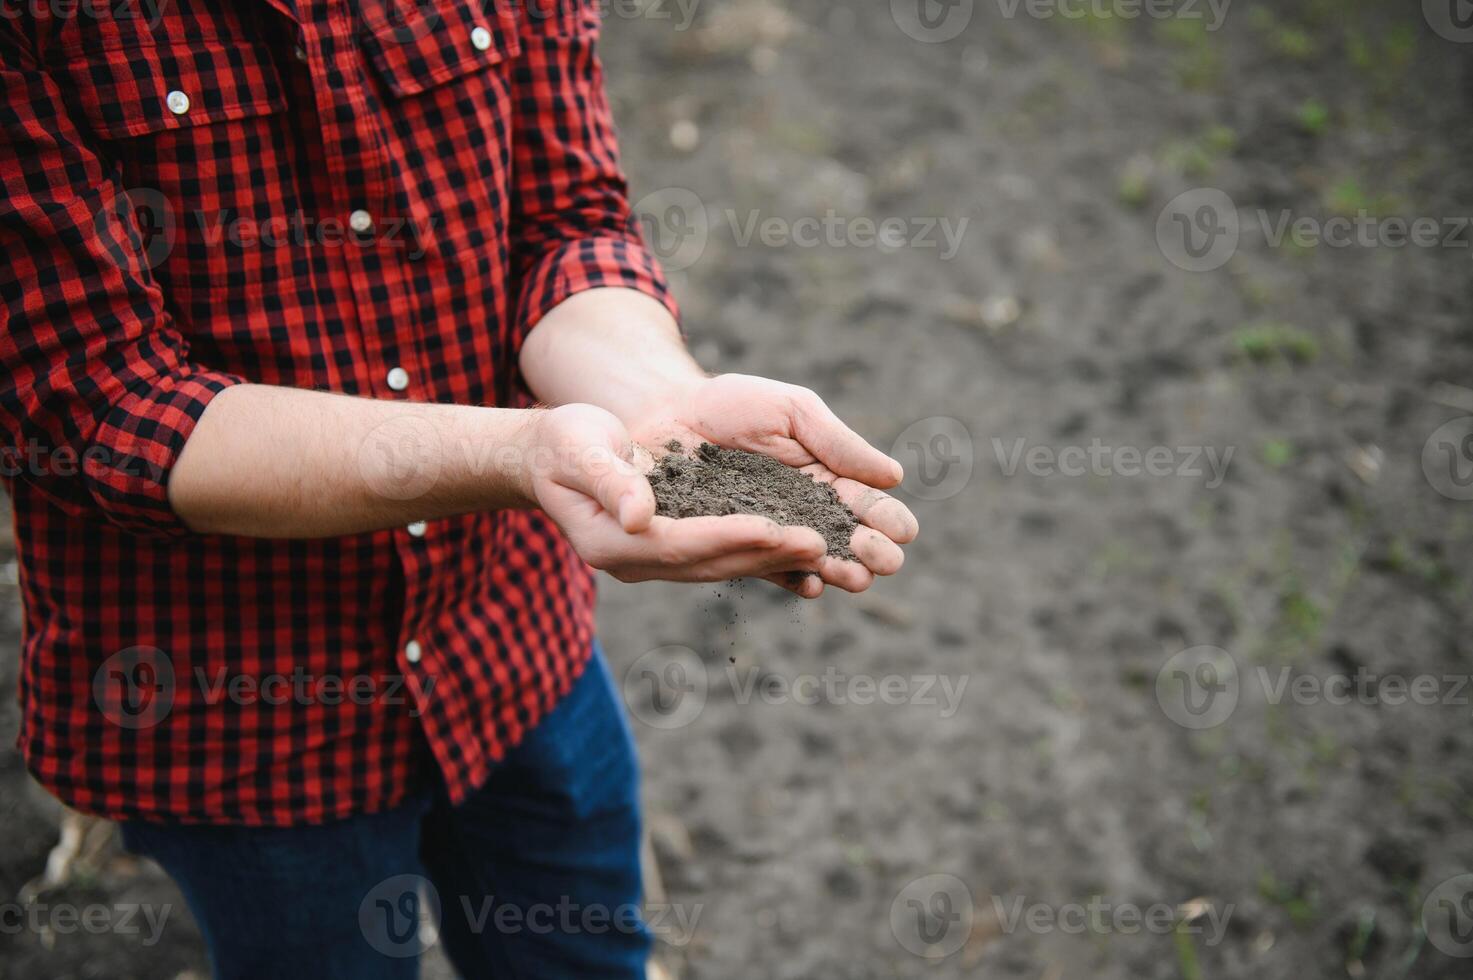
278	462
269	461
614	348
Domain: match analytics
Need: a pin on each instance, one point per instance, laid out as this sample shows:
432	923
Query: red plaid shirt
378	198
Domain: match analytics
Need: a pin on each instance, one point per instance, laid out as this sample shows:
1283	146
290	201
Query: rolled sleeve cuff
590	263
134	450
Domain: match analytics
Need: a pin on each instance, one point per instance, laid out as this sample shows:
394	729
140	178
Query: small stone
999	312
1365	462
685	135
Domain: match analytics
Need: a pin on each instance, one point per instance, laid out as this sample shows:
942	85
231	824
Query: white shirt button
300	52
360	221
417	529
413	651
398	379
177	102
481	38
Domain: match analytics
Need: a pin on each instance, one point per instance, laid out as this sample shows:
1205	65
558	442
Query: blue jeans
536	875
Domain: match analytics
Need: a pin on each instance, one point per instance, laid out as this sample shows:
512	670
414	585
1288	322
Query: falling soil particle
718	481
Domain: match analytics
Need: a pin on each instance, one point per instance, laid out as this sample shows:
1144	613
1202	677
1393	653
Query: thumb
620	489
839	447
592	451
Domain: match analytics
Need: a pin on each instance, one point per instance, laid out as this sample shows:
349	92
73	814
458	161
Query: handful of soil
718	481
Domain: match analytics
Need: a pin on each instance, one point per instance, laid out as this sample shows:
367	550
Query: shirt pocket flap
416	45
152	88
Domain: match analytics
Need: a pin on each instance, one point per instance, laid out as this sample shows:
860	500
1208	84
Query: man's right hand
579	471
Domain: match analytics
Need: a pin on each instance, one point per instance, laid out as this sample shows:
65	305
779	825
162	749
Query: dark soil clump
718	481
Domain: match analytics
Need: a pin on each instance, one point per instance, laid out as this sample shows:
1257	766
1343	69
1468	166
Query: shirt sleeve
97	394
572	227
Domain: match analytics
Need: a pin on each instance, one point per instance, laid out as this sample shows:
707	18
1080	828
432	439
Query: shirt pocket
196	132
417	45
154	88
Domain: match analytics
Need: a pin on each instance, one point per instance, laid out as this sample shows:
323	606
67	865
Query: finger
878	510
801	584
672	544
839	447
876	552
850	576
690	540
765	563
637	507
619	488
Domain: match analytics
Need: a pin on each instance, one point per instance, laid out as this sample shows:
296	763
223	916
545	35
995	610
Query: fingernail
625	502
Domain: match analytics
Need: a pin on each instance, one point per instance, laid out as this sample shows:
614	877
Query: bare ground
1313	832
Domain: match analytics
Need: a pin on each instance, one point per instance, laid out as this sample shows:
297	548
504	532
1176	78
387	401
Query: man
305	614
